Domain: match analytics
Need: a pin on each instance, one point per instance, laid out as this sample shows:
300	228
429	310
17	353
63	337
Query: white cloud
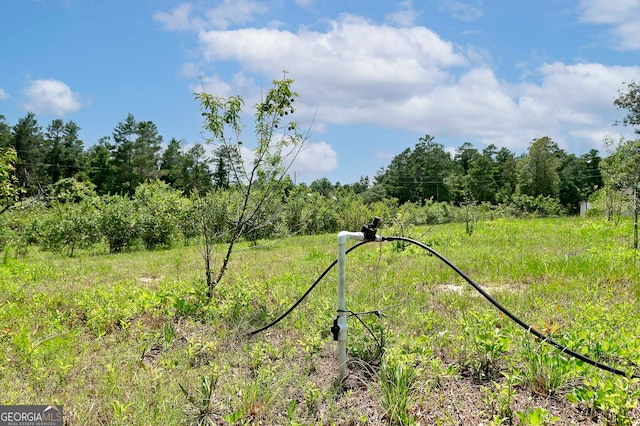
191	70
179	19
352	67
235	12
622	16
404	15
463	10
583	91
314	160
222	16
214	85
3	95
355	71
572	103
50	97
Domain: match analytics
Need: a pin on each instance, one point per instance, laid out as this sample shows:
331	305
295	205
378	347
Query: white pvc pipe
343	236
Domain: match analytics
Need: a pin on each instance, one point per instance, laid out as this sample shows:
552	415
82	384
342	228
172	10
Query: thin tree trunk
207	265
225	262
635	214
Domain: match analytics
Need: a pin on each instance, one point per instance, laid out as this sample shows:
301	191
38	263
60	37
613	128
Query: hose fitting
369	231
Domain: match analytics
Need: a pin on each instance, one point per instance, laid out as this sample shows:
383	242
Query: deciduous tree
629	100
539	169
419	174
9	189
630	150
261	179
621	172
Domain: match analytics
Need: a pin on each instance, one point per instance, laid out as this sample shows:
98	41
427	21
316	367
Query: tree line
128	191
493	175
116	164
134	154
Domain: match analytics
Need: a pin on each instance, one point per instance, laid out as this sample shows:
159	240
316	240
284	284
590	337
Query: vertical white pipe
342	299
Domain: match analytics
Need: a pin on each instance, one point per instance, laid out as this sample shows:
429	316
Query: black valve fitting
369	231
335	329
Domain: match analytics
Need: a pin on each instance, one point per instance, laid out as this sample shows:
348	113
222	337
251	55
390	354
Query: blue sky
373	77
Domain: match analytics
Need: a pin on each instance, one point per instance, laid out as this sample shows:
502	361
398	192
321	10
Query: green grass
131	339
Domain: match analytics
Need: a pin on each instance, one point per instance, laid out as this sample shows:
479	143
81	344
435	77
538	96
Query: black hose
515	319
295	305
478	288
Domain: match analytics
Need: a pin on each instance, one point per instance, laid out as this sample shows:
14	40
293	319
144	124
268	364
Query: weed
498	397
203	403
545	370
237	418
200	351
77	328
185	307
260	394
311	344
398	384
536	417
484	342
120	412
168	334
311	398
614	396
367	341
291	410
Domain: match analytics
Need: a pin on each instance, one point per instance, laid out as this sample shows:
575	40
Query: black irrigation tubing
295	305
479	289
379	343
511	316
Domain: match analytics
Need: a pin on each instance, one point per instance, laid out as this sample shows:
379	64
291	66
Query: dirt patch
460	288
150	281
451	400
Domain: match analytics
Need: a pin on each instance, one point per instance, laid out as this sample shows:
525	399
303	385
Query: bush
438	212
185	218
70	190
384	209
353	213
213	215
25	222
540	206
118	222
6	234
69	226
319	214
158	207
292	215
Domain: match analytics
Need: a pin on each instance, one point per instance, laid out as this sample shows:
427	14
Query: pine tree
31	148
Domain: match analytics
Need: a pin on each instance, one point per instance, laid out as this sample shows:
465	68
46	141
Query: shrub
69	226
540	206
118	222
70	190
319	214
158	208
438	212
6	234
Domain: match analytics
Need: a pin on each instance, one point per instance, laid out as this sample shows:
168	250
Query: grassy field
130	338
